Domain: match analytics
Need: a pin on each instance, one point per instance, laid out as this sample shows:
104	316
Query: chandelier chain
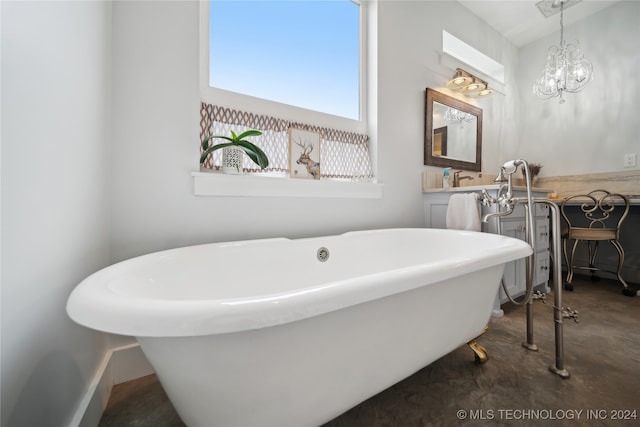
561	23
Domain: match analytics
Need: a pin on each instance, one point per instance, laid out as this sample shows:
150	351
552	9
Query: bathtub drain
323	254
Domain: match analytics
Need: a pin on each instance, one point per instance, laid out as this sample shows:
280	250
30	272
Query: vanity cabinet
514	225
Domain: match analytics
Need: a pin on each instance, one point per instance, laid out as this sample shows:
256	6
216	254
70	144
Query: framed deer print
304	154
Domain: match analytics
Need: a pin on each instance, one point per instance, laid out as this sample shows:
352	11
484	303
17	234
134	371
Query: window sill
219	184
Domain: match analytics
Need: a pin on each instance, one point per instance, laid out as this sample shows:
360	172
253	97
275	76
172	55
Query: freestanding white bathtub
283	332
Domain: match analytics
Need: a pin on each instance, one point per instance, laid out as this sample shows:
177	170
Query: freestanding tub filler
295	332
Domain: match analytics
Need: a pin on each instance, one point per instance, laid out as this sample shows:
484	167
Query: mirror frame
431	160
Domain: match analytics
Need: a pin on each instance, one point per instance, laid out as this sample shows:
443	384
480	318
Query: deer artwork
313	167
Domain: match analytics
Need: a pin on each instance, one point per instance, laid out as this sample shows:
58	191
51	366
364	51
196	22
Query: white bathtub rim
104	310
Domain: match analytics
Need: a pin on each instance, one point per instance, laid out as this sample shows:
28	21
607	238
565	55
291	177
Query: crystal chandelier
566	69
453	115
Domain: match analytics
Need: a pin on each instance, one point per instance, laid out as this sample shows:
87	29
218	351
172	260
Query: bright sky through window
303	53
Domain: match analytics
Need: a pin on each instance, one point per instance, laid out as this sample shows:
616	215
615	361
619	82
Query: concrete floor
515	387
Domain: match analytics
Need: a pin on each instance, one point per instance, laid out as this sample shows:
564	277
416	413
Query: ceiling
521	22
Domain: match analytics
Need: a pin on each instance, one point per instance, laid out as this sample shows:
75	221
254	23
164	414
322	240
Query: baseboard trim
120	364
128	363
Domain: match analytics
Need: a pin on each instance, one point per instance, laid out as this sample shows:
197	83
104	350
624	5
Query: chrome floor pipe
556	251
506	201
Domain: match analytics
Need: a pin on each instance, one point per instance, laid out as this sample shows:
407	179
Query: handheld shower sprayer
512	164
506	204
504	197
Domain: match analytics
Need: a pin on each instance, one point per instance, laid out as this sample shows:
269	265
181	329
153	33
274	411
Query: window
344	132
301	53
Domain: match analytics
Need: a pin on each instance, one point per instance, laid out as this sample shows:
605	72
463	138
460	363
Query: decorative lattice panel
343	154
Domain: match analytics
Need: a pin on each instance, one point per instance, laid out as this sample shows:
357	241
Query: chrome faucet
457	178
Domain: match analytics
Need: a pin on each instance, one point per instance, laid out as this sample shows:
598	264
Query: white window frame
220	185
272	108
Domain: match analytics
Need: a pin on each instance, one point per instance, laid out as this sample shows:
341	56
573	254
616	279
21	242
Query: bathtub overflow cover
323	254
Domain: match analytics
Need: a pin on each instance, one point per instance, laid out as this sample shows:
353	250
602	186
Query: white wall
156	125
594	128
411	40
156	103
55	211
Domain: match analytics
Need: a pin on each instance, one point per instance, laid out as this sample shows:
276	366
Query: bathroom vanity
436	202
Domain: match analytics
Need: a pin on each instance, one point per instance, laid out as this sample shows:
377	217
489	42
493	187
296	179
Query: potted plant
232	151
534	169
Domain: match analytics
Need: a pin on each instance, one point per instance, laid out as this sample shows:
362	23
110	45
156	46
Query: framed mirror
453	133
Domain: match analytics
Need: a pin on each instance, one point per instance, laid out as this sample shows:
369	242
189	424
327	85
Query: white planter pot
232	159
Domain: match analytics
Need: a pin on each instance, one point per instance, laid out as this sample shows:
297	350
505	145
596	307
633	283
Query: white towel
463	212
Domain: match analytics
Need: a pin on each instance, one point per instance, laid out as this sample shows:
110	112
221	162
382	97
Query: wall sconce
468	84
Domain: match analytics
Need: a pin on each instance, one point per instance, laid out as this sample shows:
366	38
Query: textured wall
55	210
594	128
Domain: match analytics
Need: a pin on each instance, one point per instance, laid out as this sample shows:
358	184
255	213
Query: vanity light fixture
460	80
468	84
566	69
473	87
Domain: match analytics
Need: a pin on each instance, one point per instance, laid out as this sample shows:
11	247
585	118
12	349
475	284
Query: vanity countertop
634	199
472	188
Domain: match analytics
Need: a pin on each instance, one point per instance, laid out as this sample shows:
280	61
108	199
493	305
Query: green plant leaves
250	132
253	151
